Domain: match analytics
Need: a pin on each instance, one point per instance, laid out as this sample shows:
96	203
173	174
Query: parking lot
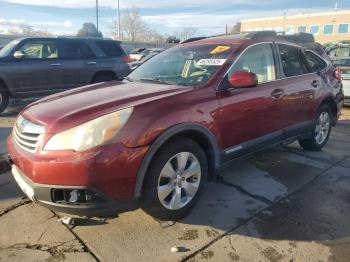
283	204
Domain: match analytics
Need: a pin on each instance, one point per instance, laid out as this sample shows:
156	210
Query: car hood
68	109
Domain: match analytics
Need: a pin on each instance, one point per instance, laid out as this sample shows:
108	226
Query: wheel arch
103	72
200	134
333	106
3	84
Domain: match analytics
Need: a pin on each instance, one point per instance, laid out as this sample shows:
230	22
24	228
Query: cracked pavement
283	204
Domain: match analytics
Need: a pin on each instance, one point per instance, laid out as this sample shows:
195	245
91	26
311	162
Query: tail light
337	74
127	59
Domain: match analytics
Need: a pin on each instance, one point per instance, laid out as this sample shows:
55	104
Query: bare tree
186	33
132	25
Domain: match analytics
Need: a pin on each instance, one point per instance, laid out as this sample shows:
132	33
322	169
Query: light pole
97	15
118	21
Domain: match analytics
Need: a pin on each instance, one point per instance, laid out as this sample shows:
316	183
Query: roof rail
193	39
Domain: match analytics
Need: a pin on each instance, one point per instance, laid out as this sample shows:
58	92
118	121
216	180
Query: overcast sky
165	16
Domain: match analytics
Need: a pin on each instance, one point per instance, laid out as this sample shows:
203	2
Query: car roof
67	37
300	39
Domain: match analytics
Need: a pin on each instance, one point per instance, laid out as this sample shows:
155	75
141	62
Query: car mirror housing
243	79
18	55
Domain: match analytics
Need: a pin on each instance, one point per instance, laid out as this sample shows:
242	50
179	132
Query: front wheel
4	99
321	131
175	180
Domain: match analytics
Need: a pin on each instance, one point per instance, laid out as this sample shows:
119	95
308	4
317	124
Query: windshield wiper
128	78
156	80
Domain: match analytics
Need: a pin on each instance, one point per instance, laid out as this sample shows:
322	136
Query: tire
103	78
170	191
4	99
321	130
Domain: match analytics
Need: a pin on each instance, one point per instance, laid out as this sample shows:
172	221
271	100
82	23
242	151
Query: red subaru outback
154	139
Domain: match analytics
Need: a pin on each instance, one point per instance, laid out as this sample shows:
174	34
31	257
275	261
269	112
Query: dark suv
33	67
155	138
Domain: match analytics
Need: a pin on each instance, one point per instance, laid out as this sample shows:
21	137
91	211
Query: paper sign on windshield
220	49
211	62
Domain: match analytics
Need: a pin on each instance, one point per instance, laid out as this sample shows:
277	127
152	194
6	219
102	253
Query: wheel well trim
101	72
166	136
329	100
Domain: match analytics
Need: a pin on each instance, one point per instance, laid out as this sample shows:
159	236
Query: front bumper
43	195
109	172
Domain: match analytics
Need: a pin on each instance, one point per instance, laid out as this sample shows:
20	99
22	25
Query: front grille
27	134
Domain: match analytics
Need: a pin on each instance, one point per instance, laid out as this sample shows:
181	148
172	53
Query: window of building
343	28
315	29
328	29
278	29
302	29
290	30
258	60
291	60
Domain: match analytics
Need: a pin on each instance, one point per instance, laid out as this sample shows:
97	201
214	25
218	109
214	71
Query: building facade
326	27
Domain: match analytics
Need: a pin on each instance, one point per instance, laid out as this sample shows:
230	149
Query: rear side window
316	63
75	49
258	60
110	48
292	62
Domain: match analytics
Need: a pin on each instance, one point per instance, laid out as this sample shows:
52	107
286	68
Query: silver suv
36	67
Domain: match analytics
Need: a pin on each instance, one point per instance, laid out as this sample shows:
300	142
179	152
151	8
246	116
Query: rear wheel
321	131
175	180
4	99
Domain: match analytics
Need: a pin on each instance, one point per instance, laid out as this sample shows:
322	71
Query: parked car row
155	138
339	53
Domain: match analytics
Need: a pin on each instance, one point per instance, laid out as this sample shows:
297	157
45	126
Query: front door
251	117
39	72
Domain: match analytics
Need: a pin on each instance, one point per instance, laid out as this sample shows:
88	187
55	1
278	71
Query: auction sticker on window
211	62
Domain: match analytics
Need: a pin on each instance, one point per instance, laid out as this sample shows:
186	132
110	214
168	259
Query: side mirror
243	79
18	55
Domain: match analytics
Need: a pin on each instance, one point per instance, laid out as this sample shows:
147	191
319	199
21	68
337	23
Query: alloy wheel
179	181
322	127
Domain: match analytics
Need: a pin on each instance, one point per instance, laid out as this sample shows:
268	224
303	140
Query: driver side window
39	50
259	60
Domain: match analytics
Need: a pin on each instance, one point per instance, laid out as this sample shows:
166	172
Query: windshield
340	55
185	65
7	49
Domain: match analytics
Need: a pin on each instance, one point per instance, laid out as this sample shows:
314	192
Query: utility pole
97	15
118	21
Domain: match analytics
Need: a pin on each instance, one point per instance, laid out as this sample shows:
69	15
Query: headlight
90	134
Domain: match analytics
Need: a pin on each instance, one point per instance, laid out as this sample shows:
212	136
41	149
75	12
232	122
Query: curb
4	164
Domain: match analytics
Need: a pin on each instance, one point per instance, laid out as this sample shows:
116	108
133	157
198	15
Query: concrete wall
292	23
127	46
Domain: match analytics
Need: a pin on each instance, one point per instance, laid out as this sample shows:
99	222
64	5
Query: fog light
75	196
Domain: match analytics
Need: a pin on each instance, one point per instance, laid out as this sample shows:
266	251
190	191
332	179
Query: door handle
56	64
315	83
277	93
92	63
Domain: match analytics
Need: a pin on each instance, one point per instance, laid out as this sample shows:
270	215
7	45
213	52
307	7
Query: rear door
250	118
299	84
79	63
39	72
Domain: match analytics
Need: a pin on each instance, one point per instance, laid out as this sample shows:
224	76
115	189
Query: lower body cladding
103	188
